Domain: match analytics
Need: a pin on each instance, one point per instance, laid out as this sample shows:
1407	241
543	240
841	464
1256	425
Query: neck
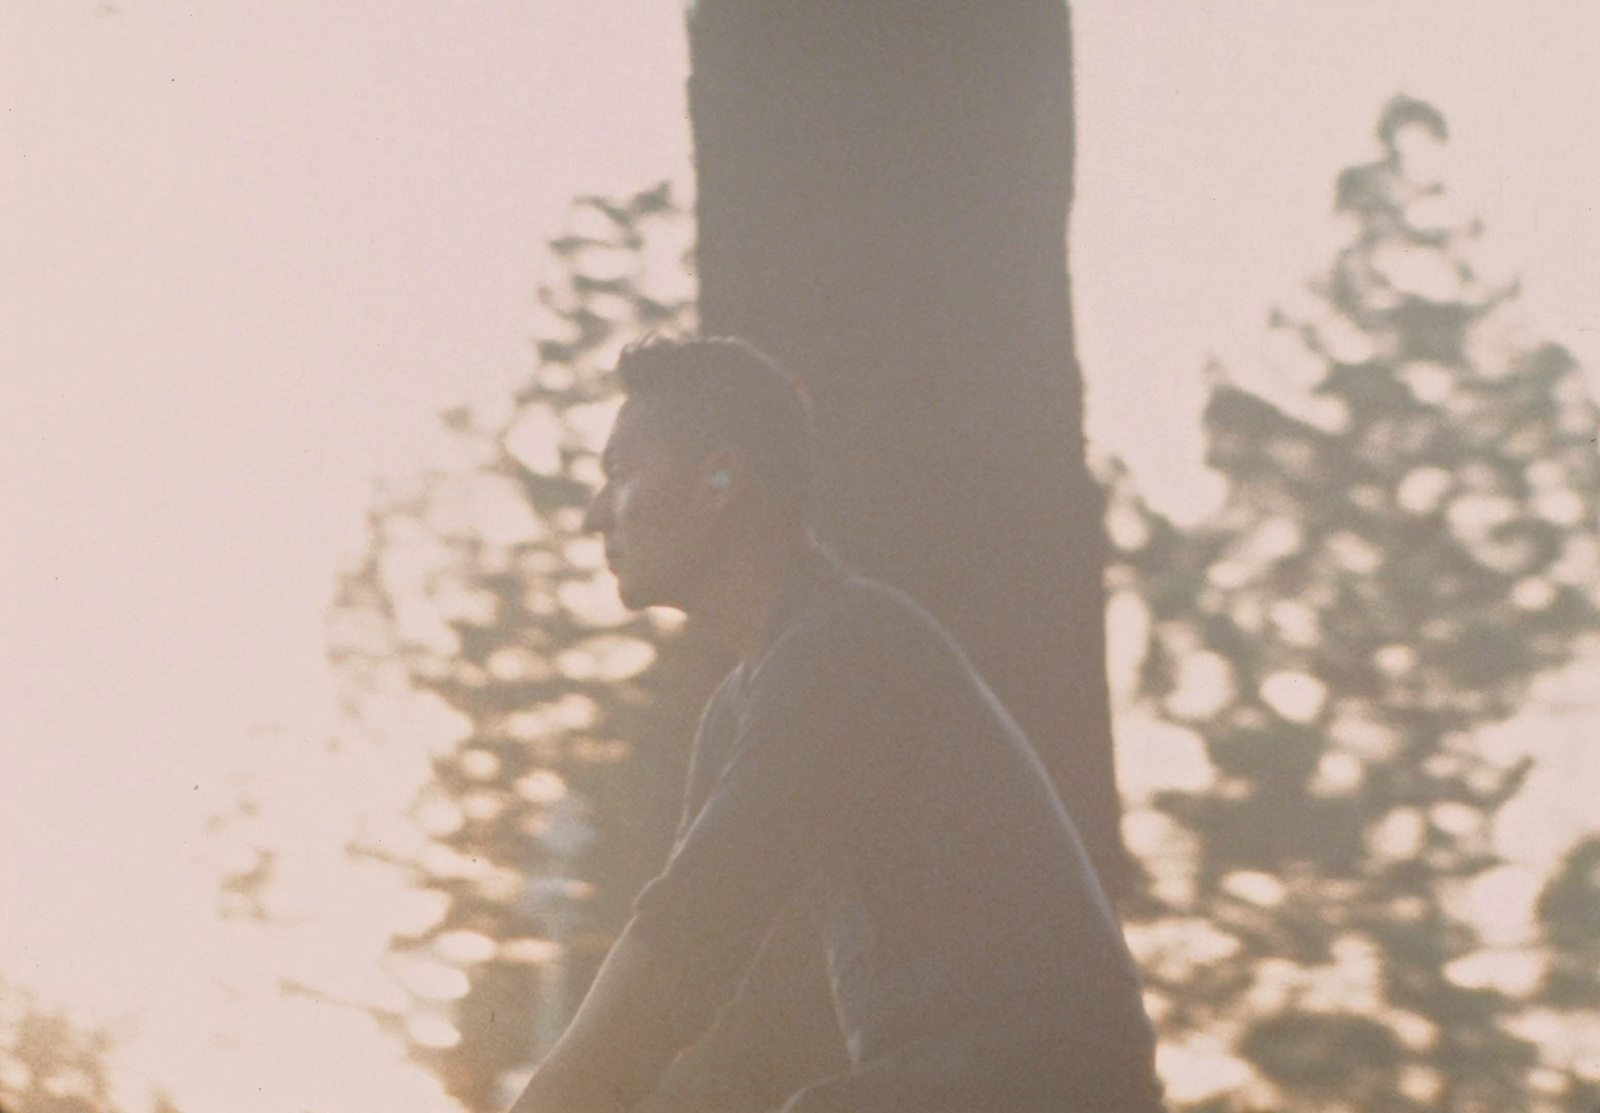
738	611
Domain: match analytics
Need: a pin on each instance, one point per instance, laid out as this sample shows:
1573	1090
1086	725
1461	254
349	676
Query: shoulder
859	634
853	618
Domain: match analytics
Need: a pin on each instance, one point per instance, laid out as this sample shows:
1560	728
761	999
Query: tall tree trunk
883	194
883	191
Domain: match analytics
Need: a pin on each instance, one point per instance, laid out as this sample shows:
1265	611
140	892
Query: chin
671	583
630	597
637	596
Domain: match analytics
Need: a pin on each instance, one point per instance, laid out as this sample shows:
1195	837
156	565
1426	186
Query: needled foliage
1409	538
562	719
50	1064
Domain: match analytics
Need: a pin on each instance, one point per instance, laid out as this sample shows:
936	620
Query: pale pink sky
1210	135
248	250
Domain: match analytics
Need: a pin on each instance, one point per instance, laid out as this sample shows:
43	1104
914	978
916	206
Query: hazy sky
248	250
1210	136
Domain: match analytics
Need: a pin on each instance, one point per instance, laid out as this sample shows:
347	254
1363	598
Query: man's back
863	768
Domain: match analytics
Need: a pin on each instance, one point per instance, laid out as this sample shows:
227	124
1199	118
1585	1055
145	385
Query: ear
724	476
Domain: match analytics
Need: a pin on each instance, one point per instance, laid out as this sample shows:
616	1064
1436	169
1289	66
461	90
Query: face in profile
658	526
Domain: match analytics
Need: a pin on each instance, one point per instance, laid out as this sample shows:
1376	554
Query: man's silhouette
853	762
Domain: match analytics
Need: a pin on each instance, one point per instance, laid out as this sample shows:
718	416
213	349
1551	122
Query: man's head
711	449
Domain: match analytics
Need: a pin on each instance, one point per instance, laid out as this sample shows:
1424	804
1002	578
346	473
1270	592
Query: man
853	761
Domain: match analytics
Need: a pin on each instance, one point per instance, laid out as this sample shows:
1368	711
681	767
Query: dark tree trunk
883	194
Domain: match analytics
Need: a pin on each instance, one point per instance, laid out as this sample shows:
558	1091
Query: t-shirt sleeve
745	854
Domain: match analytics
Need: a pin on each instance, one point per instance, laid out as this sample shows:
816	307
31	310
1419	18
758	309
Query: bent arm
619	1043
697	925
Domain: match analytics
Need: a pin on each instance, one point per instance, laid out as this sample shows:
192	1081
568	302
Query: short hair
721	390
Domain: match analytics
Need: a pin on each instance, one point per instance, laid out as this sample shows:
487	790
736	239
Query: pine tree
49	1063
1405	545
478	598
1566	1007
